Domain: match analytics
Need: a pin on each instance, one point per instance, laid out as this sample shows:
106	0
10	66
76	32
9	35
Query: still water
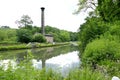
62	58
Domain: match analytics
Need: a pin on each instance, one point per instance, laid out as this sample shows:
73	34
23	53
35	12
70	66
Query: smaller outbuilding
49	38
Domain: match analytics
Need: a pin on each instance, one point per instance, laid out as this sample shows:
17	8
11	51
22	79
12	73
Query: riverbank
23	69
4	47
33	74
27	72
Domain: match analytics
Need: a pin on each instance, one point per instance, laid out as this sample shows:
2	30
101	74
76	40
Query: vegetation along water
99	46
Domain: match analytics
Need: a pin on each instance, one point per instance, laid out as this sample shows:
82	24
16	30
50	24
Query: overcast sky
58	13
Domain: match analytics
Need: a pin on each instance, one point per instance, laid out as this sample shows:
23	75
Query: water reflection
63	62
38	53
5	63
62	58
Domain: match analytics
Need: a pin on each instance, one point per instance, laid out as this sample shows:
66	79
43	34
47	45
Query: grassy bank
19	46
33	74
27	72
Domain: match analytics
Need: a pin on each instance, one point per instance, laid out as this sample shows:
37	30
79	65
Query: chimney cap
42	8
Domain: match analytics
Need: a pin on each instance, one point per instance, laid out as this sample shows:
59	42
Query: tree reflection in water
53	57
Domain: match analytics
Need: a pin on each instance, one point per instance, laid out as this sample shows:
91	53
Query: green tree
56	37
86	4
36	29
24	21
109	10
61	35
64	36
73	36
50	29
54	31
91	30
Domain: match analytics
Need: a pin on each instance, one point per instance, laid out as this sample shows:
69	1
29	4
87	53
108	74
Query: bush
24	35
38	38
115	29
85	73
91	30
101	50
64	36
112	68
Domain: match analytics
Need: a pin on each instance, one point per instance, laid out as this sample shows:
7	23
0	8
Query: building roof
48	35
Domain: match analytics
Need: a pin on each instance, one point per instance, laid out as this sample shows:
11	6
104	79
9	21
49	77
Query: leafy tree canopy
24	21
109	10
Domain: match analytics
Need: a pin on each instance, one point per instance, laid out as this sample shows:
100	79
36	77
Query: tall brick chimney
42	21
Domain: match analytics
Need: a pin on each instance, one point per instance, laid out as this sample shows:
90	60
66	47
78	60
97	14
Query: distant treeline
33	34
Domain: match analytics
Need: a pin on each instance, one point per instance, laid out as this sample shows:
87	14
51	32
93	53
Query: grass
86	73
24	46
106	54
29	73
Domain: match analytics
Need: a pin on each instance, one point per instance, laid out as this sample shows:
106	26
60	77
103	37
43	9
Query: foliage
25	70
56	37
85	73
18	46
7	35
115	28
2	35
30	73
73	36
111	68
61	35
100	36
91	30
14	47
64	36
20	74
104	50
38	38
85	5
108	10
24	21
24	35
35	29
49	29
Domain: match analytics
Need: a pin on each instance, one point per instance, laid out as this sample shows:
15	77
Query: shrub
91	30
85	73
111	68
115	29
24	35
38	38
101	50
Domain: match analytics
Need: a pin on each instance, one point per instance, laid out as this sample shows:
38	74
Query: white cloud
58	13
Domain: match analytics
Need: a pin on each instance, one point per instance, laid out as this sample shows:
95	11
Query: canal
60	58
